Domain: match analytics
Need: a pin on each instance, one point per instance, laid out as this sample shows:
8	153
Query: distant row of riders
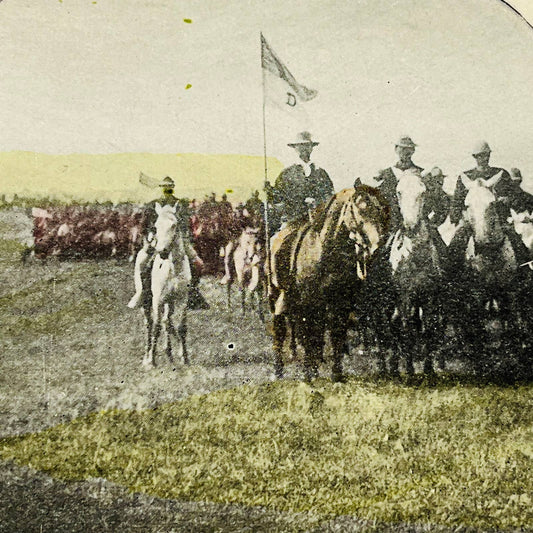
411	270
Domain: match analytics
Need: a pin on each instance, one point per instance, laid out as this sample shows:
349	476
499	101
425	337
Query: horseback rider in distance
144	259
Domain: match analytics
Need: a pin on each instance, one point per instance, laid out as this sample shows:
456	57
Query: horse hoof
148	364
310	375
338	377
278	371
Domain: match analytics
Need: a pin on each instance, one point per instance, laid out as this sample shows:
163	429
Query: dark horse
406	284
492	314
317	267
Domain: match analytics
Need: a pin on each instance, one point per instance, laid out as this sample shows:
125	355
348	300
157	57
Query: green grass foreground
451	454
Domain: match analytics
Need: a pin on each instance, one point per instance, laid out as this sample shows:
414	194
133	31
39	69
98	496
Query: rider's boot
141	263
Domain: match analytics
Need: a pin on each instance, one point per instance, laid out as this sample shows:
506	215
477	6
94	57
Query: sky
120	76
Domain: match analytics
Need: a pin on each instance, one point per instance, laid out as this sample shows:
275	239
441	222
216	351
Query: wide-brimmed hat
481	147
304	137
516	174
406	142
167	183
434	173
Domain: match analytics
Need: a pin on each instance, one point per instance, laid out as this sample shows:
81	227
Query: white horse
169	286
248	262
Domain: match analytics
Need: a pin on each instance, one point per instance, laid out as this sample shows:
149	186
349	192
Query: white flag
280	85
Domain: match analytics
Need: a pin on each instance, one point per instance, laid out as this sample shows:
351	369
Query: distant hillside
115	177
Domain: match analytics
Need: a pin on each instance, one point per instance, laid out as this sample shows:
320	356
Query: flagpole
267	232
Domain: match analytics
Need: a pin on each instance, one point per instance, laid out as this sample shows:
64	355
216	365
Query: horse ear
158	208
175	207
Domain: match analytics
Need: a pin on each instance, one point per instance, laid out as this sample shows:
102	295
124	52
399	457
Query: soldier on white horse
144	259
170	278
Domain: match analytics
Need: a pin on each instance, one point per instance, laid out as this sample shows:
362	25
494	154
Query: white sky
110	76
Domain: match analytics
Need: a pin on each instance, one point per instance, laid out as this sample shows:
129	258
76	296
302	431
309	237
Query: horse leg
228	295
169	329
379	327
156	331
338	336
148	321
182	333
432	323
280	331
396	332
294	344
242	290
258	292
311	333
313	352
410	334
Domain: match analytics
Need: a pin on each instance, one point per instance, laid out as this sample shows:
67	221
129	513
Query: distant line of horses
99	232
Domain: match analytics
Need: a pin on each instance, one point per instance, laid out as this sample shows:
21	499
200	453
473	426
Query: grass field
456	455
75	403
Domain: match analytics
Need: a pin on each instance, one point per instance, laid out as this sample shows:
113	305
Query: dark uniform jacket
436	206
386	183
502	189
150	215
292	187
520	200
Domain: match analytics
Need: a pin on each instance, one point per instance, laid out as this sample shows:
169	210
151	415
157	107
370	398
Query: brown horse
317	267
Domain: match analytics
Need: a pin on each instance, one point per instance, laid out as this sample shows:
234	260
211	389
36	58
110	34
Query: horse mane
321	213
330	213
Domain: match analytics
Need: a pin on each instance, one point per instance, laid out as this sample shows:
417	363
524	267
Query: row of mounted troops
469	292
100	231
451	275
86	231
421	294
419	291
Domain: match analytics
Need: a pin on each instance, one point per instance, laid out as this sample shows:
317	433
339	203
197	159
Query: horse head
166	227
410	193
360	226
488	250
482	210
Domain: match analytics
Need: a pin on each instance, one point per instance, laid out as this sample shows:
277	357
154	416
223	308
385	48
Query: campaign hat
481	147
304	137
405	142
167	183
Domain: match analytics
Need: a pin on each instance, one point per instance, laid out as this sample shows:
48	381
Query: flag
280	85
148	181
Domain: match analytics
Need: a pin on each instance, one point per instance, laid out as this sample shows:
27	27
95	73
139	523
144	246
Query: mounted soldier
144	259
519	200
388	179
296	191
255	206
494	178
436	206
299	187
